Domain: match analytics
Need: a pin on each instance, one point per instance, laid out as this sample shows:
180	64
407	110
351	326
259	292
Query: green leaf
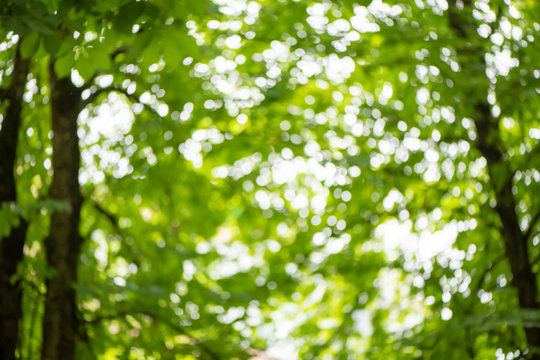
128	15
39	26
29	45
52	43
63	65
98	59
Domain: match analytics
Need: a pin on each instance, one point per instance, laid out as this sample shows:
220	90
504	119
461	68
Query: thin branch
122	49
117	230
525	160
88	84
113	88
112	218
119	50
535	261
528	157
532	226
486	271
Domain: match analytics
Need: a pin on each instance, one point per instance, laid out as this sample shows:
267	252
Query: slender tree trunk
516	247
489	144
11	246
60	321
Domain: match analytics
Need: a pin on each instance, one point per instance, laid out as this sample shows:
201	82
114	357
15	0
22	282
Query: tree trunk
516	247
489	144
62	245
11	249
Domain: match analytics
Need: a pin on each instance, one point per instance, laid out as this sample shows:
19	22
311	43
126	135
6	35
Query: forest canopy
269	179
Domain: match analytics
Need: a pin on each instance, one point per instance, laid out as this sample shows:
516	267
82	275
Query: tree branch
112	218
122	49
527	158
113	88
532	225
485	272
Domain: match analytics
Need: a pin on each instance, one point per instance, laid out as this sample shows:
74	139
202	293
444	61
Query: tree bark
62	245
516	247
11	249
489	144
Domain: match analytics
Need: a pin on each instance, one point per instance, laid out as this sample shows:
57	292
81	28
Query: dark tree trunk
489	144
60	321
11	249
516	247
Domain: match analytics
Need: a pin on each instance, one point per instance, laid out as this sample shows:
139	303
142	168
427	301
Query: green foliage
275	175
